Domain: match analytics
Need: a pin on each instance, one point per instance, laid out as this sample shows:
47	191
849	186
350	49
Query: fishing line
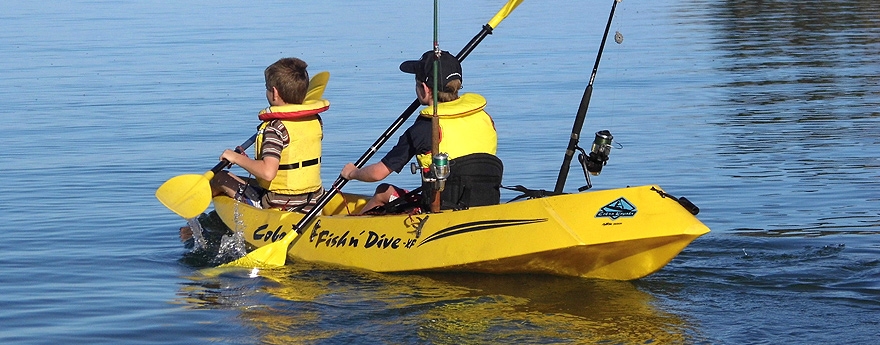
617	52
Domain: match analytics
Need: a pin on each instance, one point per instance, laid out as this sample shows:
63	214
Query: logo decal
617	209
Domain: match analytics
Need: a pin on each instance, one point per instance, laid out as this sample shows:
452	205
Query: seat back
474	180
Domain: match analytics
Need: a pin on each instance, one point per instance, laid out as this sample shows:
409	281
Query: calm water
766	115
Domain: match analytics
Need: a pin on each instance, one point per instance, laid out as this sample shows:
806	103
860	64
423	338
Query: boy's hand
232	156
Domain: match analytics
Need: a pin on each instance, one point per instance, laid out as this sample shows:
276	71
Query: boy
467	135
287	165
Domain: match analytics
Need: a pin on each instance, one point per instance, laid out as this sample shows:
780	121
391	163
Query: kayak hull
619	234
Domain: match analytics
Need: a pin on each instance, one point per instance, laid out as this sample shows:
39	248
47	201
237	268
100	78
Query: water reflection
800	113
306	303
800	55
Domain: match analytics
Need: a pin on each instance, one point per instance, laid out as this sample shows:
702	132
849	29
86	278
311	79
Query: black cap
423	68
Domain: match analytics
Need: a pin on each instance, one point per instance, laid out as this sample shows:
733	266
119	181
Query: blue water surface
766	116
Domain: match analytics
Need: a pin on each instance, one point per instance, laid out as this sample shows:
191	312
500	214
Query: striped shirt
275	139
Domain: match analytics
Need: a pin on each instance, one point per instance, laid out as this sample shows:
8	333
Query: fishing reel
599	152
437	173
593	162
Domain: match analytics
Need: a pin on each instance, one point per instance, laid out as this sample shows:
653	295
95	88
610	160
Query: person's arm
416	139
370	173
264	169
275	140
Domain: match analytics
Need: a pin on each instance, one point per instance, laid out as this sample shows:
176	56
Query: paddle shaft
340	181
582	111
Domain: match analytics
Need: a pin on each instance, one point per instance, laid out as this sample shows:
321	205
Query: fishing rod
438	179
602	143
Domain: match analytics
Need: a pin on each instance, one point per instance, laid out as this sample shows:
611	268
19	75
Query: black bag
474	180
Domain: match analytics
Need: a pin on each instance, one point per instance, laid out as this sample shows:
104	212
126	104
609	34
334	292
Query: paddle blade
317	85
186	195
270	255
509	7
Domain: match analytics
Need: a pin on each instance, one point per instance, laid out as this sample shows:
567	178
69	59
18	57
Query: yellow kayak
618	234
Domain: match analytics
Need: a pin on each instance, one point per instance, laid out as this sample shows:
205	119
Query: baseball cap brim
410	66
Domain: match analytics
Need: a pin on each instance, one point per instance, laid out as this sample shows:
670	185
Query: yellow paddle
190	195
275	253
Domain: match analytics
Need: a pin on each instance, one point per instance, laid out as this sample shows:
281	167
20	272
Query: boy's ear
426	90
275	95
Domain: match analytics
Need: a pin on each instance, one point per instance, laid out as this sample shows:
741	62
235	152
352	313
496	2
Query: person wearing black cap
467	135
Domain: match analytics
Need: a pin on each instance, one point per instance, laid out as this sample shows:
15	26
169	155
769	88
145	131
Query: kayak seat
474	180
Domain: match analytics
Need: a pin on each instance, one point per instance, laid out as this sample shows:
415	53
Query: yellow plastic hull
618	234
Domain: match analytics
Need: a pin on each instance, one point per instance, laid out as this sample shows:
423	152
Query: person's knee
383	188
385	192
225	183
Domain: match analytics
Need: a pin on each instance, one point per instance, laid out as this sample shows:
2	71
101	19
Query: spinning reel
437	173
593	162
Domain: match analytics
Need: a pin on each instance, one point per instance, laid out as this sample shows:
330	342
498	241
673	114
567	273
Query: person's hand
348	171
186	233
230	156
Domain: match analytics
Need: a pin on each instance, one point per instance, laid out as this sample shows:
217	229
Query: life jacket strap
298	165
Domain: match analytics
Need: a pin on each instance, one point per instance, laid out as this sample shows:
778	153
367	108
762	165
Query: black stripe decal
479	226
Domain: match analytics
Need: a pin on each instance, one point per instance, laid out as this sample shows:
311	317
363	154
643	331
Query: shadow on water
307	303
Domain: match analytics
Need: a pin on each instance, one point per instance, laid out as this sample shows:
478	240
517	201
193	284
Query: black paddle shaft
341	181
582	112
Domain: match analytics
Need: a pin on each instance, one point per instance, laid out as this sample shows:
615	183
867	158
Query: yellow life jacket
464	128
299	170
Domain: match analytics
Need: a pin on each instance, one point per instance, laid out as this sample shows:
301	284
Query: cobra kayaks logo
617	209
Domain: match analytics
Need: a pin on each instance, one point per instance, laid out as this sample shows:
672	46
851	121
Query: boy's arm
264	169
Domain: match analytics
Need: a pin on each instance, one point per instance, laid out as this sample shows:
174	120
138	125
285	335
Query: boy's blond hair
449	93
